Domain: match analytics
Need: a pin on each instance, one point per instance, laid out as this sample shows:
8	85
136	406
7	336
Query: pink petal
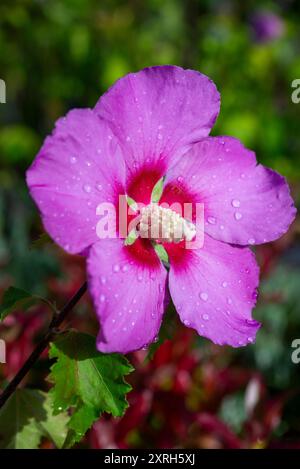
214	291
157	113
78	167
244	203
128	293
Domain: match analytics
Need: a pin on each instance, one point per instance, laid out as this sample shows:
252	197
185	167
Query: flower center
163	224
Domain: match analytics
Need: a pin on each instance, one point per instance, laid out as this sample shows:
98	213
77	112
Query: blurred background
56	55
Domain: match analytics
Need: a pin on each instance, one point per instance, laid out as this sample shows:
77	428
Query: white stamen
164	224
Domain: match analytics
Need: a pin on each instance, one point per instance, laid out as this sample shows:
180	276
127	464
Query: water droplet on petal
102	298
125	268
204	296
224	284
229	301
205	317
251	241
116	268
186	322
73	159
87	188
237	215
99	186
235	203
103	280
211	220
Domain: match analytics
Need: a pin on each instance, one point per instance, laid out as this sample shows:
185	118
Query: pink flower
151	124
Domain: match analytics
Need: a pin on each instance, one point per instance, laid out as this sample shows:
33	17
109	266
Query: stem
31	360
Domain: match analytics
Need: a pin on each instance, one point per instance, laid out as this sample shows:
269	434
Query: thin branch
54	325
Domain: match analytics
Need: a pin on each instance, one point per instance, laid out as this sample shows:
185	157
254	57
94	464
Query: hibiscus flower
151	125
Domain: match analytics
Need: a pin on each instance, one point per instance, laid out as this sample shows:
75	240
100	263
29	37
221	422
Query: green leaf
87	381
13	298
157	190
16	298
27	417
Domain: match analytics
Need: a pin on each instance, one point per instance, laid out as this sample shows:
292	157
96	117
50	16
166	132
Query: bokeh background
56	55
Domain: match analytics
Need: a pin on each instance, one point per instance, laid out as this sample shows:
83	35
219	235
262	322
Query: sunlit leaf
27	417
87	381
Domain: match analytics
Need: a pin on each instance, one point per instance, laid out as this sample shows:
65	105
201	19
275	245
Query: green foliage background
56	55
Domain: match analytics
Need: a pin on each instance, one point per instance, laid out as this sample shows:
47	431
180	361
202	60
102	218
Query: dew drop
102	298
125	268
224	284
205	317
229	301
204	296
87	188
99	187
186	322
73	159
235	203
211	220
103	280
116	268
237	215
251	241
